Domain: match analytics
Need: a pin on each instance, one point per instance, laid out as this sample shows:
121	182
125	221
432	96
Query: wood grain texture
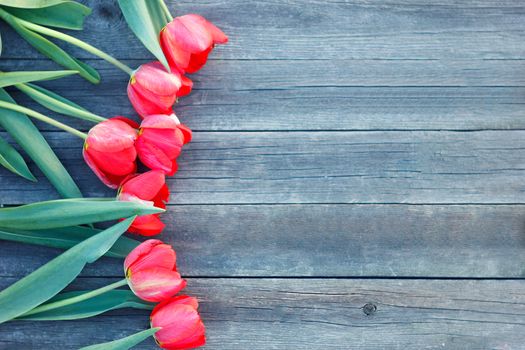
325	30
327	240
364	138
337	95
319	167
318	314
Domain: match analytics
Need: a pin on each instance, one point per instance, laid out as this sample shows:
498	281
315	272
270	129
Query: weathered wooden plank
319	314
256	97
326	240
241	75
319	167
340	95
340	109
323	30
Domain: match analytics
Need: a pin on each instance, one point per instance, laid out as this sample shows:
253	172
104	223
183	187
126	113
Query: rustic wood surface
346	153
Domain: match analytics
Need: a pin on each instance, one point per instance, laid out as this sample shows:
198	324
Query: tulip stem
41	117
74	41
166	10
77	299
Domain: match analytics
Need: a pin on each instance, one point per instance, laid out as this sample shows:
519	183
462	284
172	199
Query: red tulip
149	188
180	323
187	41
160	142
109	150
153	90
151	271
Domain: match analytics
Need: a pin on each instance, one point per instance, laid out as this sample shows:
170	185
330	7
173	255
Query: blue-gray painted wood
322	167
327	240
319	314
311	124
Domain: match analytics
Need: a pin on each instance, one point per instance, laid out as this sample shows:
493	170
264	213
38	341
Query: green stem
41	117
77	299
82	114
166	10
74	41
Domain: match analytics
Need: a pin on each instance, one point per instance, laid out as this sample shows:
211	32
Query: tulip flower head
149	188
188	40
180	324
153	90
109	150
151	271
160	141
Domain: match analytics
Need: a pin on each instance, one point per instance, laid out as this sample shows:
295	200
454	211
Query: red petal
112	135
191	33
153	157
160	121
218	35
186	132
145	186
178	322
198	60
116	163
142	250
174	168
178	58
140	104
155	284
154	79
170	141
108	179
196	340
162	197
147	225
186	87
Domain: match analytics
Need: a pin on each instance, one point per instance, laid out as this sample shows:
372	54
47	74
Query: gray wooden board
317	314
327	240
322	167
362	138
337	95
324	30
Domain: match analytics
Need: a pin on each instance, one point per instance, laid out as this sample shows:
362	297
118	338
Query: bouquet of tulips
111	148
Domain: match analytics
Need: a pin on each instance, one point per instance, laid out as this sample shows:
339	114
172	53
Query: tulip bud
187	41
160	141
180	324
149	188
151	271
109	150
153	90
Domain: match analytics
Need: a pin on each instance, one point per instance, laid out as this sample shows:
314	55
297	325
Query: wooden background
345	153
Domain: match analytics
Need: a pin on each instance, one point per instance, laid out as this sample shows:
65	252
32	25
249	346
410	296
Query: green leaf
13	161
30	91
158	18
12	78
67	237
57	103
70	212
32	4
124	343
111	300
146	22
67	15
29	138
47	281
50	49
